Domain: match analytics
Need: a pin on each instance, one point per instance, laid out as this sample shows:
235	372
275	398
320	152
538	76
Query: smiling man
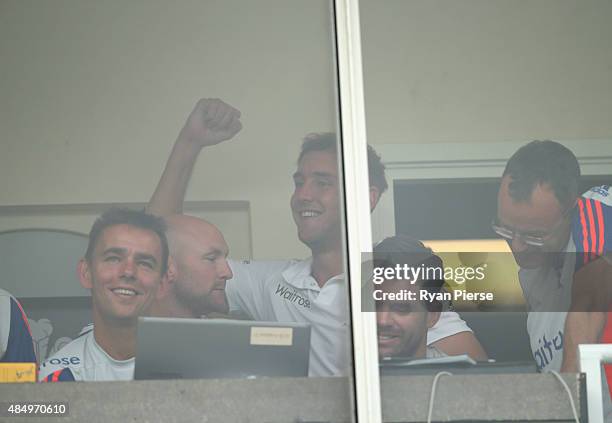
402	324
558	239
561	241
198	270
125	267
308	291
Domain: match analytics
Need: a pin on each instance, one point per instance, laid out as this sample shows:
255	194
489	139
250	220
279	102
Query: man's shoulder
449	323
592	223
10	308
15	336
263	270
272	265
601	193
5	319
4	294
252	287
70	356
6	301
595	208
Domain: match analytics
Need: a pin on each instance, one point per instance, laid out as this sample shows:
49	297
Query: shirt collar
299	275
101	350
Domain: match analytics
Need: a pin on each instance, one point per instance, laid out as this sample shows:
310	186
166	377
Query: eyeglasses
531	240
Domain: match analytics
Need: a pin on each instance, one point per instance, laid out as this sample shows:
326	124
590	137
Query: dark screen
434	209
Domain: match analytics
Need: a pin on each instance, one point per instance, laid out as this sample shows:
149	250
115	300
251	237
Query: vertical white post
358	221
590	358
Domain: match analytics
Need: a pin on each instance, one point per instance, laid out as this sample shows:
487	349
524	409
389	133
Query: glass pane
452	91
93	96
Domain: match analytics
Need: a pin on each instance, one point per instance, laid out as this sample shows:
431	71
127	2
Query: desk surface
405	399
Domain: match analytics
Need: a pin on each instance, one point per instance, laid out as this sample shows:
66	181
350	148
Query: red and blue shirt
16	345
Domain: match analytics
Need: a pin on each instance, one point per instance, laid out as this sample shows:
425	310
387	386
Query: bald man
198	270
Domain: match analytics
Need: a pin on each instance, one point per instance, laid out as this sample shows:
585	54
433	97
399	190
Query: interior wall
94	93
439	71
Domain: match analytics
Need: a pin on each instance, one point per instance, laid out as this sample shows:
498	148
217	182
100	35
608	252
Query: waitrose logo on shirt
291	295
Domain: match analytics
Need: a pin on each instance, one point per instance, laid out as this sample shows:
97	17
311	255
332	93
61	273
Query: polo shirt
547	289
84	360
285	291
16	343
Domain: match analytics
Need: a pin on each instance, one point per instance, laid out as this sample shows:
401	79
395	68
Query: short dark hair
136	218
543	162
405	250
326	141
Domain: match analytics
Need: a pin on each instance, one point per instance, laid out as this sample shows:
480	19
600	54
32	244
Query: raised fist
212	121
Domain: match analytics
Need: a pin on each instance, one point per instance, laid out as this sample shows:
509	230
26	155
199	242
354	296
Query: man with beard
402	324
312	290
198	270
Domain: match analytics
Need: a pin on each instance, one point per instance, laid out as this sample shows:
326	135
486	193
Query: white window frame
418	163
357	210
590	359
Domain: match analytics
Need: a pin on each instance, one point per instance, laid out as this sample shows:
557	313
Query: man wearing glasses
562	244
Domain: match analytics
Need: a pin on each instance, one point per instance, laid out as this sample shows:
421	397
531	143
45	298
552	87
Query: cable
569	394
433	393
554	373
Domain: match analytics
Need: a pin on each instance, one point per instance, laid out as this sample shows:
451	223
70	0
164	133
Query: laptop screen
173	348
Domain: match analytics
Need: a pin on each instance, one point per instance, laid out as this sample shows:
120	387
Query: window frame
358	223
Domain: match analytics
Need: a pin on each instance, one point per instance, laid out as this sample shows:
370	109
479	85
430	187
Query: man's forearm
170	192
210	122
580	328
591	296
462	343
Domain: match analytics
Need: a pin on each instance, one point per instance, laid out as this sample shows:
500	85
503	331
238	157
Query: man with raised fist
313	290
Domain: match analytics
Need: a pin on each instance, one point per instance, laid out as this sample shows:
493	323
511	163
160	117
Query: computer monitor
173	348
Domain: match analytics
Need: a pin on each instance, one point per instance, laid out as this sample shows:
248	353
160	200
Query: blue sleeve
591	230
20	347
62	375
